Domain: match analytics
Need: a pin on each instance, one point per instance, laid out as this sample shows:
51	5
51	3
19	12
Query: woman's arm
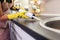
2	17
1	12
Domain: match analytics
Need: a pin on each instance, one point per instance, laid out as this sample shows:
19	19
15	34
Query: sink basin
51	27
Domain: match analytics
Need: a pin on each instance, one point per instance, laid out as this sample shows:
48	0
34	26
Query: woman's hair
9	1
1	1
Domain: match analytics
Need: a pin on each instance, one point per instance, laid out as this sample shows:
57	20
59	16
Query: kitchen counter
34	26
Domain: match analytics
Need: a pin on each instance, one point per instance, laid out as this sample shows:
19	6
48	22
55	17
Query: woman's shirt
4	29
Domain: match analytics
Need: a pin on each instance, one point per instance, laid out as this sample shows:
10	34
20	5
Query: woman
5	5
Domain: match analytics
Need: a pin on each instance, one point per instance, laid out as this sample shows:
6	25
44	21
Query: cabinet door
21	34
